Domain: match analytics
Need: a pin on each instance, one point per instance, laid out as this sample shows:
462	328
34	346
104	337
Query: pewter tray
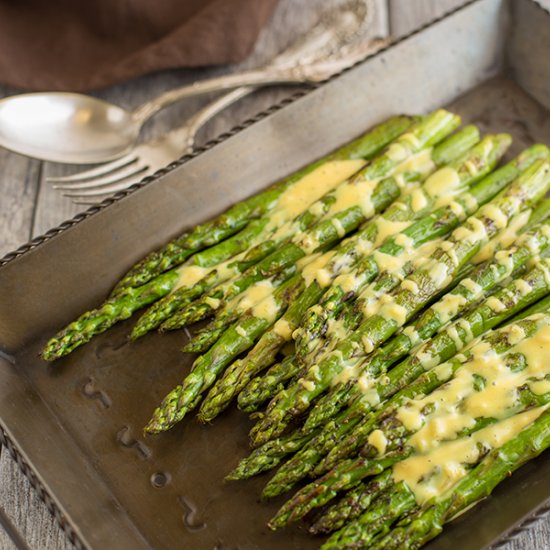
75	426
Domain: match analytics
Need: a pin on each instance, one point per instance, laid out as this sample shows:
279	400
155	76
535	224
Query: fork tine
101	170
99	183
108	189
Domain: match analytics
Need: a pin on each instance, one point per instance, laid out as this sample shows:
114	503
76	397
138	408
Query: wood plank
27	511
18	190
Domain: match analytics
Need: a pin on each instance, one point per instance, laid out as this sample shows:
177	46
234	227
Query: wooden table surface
29	206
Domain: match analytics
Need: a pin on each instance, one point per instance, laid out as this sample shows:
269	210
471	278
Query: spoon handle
228	82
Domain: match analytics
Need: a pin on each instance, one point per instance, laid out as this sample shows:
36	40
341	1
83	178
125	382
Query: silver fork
145	159
331	39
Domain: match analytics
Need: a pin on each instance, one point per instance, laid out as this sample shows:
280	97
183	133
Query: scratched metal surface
175	494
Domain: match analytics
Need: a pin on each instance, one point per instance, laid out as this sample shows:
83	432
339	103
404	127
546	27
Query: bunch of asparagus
350	298
418	462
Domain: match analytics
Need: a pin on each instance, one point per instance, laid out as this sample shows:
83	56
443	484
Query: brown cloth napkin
87	44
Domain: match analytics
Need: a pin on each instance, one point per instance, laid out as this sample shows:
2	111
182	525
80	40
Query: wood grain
29	206
27	511
19	188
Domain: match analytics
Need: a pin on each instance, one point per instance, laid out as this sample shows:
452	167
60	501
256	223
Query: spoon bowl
66	127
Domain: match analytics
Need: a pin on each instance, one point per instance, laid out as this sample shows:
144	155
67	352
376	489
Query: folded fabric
68	45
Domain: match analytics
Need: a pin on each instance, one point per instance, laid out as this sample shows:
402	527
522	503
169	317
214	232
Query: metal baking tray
75	426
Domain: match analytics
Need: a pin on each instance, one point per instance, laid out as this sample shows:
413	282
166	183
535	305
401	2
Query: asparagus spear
499	464
541	213
539	307
371	190
264	386
238	216
99	320
323	490
346	288
503	345
485	277
428	280
442	347
268	456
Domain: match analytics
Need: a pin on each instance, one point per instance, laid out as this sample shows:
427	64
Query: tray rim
65	522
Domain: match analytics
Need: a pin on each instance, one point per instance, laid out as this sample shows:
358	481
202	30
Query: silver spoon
80	129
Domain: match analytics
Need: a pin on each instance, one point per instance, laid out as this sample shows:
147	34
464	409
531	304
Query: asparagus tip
137	332
190	348
46	355
205	418
278	520
161	421
233	476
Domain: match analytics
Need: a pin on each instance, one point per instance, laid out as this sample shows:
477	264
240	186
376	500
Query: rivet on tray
160	479
190	516
124	437
90	391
